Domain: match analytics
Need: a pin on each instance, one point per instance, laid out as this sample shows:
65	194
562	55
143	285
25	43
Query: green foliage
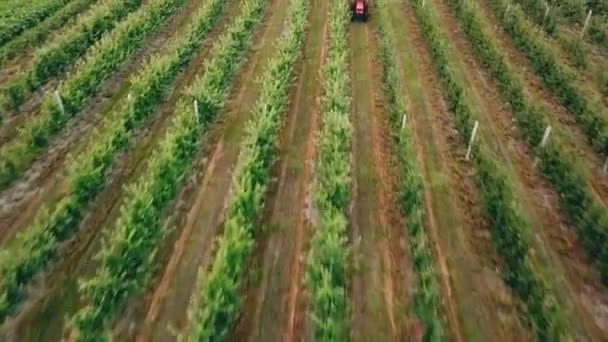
572	10
38	34
572	46
218	295
328	256
87	174
100	62
536	9
427	298
575	12
509	230
20	17
603	82
574	49
555	75
597	31
588	216
127	258
598	6
64	50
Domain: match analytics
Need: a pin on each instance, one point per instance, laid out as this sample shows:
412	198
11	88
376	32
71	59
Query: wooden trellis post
59	101
196	116
586	23
507	10
472	140
543	142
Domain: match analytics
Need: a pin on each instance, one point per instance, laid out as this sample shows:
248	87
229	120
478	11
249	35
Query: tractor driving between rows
360	9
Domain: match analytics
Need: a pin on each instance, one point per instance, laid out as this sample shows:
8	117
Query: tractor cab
359	9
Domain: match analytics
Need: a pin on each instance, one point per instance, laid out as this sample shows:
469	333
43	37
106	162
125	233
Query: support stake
59	101
507	10
403	122
196	116
543	142
472	140
586	23
546	11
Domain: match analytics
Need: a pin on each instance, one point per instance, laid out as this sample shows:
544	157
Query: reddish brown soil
382	272
43	183
61	296
22	58
539	201
449	304
15	118
31	106
462	236
165	308
275	308
571	135
476	304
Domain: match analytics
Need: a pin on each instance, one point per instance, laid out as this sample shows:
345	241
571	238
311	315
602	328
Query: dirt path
539	201
39	35
589	163
49	305
43	182
383	271
275	307
484	307
15	119
43	34
202	204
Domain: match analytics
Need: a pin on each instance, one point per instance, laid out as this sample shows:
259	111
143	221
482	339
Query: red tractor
360	9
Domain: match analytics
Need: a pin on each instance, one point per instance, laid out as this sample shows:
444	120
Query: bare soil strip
275	308
589	162
49	304
38	36
15	119
43	182
108	94
539	201
485	308
201	205
383	272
